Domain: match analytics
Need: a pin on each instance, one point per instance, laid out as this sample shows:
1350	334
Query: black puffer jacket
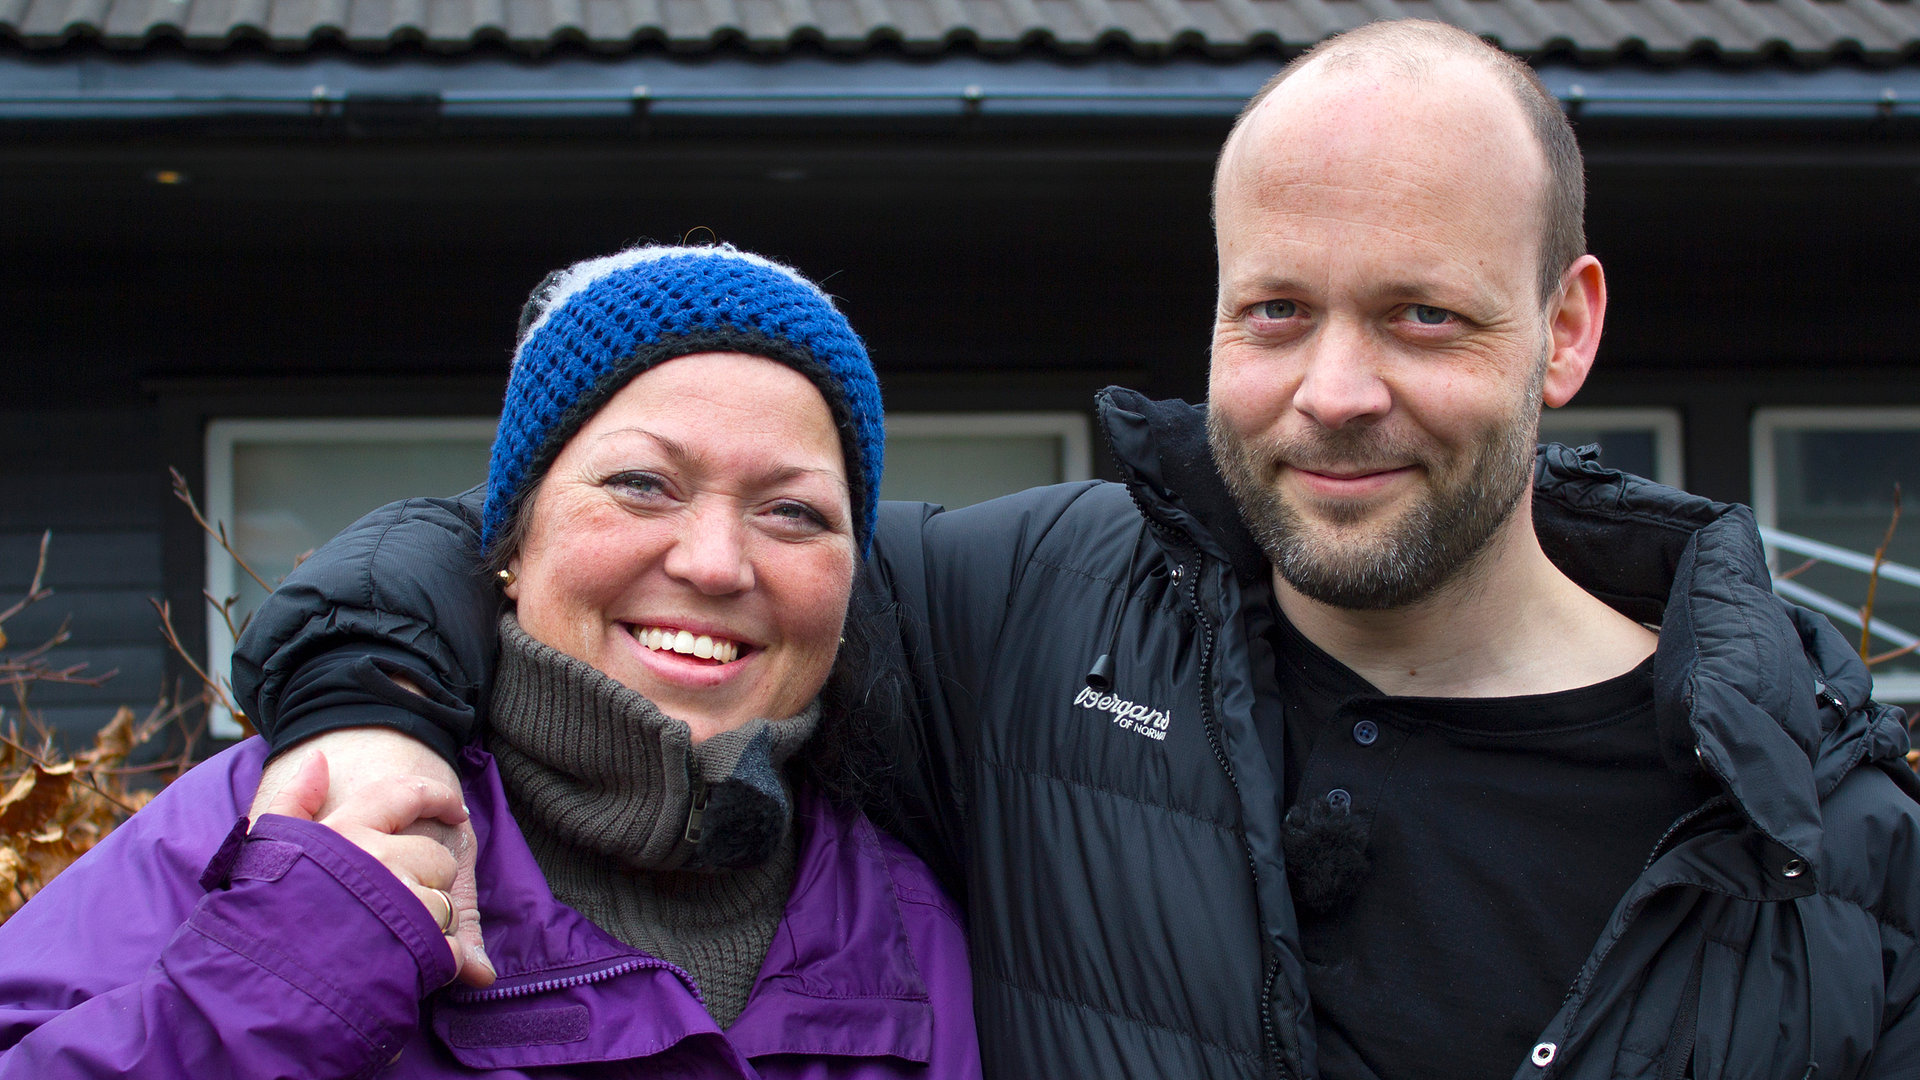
1121	852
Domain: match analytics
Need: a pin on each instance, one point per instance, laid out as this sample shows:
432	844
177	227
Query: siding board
84	560
93	616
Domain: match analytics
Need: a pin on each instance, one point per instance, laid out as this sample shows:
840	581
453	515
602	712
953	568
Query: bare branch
1873	578
59	637
218	692
35	593
1892	655
67	676
1789	575
217	531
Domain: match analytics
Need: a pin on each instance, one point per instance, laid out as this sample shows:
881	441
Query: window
958	459
1645	442
1823	483
283	487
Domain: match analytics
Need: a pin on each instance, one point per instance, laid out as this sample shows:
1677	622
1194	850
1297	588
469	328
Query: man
1379	770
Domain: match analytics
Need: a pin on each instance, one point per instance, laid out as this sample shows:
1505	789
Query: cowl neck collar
594	764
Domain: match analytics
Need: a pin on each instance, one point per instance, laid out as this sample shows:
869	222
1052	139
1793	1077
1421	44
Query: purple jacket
184	947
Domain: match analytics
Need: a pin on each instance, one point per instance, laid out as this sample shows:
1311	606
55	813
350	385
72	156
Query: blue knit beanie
590	329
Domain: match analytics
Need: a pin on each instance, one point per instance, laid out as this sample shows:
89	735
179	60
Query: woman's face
694	540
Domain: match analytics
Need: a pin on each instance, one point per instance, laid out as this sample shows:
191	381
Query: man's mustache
1344	451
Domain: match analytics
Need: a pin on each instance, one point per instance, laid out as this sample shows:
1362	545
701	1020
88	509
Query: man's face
1379	347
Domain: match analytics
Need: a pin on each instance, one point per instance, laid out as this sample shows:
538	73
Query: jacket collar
1161	447
839	977
1735	668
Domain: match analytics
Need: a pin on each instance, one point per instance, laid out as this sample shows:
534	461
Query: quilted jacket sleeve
125	966
399	591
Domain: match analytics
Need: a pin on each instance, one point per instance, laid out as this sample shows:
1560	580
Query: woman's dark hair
862	704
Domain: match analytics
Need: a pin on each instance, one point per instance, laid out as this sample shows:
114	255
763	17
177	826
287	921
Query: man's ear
1574	323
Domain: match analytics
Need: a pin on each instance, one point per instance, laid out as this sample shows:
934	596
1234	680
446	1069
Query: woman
683	481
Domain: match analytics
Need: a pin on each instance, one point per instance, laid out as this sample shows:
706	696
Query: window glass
958	459
283	487
1828	475
1645	442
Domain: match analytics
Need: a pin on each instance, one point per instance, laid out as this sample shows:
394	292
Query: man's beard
1429	544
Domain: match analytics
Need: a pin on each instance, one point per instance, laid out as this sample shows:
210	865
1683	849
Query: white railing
1889	685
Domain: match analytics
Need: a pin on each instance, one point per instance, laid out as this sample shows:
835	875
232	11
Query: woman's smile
694	540
719	650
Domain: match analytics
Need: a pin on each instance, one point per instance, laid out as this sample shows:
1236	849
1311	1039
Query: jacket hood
1766	696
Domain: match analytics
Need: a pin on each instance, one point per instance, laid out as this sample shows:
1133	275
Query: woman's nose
711	553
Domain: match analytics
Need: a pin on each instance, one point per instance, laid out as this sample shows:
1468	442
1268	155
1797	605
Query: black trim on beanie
672	347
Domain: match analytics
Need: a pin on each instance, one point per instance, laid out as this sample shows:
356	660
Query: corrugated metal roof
1881	31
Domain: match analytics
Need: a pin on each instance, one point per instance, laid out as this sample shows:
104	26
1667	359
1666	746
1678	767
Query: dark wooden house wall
87	474
1017	269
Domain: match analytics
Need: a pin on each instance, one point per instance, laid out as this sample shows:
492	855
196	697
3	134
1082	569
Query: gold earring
507	577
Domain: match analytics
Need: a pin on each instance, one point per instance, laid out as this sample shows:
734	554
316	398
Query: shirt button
1365	732
1339	799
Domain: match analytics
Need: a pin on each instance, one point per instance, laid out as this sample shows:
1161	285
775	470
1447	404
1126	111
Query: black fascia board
341	92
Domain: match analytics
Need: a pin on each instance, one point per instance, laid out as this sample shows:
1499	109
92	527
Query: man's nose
1341	383
711	553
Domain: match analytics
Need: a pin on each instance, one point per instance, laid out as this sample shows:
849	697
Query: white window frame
217	503
1769	422
1669	462
1076	446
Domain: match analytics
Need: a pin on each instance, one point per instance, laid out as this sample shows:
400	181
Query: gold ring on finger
446	919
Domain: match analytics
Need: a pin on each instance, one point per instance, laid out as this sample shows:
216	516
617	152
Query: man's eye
1275	309
1428	315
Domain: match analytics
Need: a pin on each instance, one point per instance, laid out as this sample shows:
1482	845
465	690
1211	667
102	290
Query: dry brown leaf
52	850
114	742
35	798
10	867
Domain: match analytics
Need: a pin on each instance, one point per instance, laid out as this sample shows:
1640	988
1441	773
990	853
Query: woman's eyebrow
680	451
795	472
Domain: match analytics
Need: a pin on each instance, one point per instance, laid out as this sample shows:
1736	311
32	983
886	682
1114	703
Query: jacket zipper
1659	848
1210	722
636	963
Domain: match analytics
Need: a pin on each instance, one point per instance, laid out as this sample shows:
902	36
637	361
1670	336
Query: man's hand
377	788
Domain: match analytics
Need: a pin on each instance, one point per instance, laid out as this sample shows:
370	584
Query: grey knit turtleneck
602	784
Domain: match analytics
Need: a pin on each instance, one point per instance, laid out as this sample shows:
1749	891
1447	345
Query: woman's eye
799	515
1275	309
635	483
1428	315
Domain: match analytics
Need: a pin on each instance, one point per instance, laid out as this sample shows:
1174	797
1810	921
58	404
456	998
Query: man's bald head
1410	50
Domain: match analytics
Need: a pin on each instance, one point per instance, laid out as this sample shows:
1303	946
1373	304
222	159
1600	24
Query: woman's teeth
696	645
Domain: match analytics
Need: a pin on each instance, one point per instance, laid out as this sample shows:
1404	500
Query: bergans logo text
1127	715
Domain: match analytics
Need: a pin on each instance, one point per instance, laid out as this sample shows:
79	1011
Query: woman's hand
399	802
